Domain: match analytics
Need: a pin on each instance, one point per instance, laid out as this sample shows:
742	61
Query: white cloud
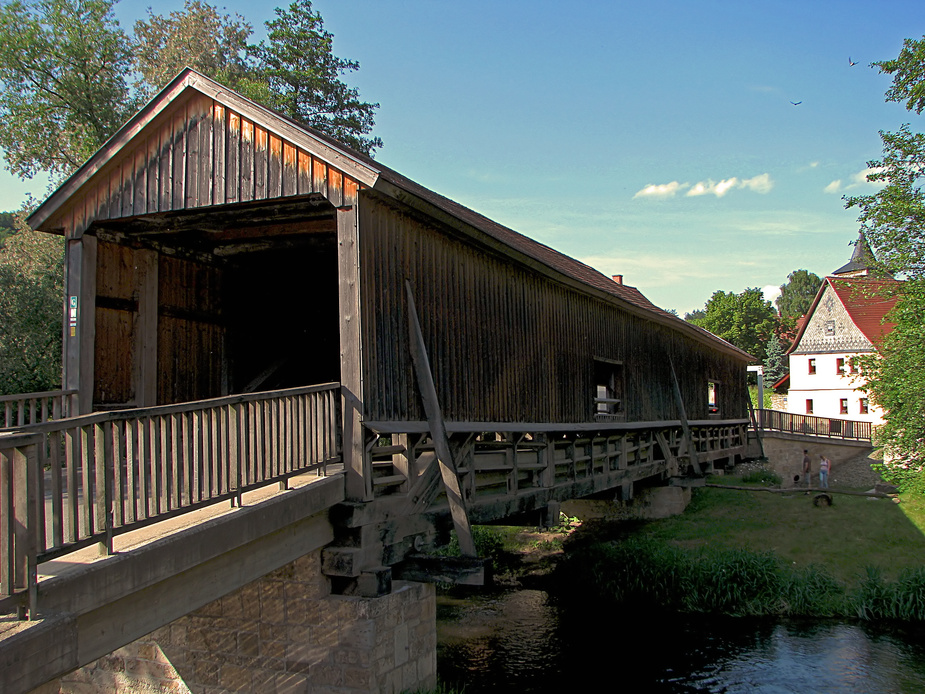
856	180
860	178
770	292
664	190
758	184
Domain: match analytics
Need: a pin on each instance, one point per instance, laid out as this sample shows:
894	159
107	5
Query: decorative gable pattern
831	329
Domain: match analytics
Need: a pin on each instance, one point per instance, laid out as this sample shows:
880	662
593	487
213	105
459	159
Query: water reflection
518	641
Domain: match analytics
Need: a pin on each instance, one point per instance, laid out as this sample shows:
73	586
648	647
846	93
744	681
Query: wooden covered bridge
248	300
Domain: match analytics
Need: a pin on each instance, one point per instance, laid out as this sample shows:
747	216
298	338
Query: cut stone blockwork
281	633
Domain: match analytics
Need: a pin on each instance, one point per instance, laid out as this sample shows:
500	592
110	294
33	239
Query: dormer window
830	328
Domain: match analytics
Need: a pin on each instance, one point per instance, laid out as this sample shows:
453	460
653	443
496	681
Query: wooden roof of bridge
198	144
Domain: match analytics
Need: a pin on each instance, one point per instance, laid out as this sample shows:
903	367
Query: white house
845	321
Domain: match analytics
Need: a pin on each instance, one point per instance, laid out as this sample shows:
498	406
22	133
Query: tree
746	320
63	67
775	363
302	76
199	36
893	220
797	293
31	288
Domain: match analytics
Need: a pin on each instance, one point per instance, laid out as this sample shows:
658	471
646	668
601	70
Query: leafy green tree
63	89
797	293
893	220
746	320
198	36
31	292
302	76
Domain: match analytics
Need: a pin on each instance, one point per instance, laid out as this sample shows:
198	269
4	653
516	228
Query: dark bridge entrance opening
228	299
283	318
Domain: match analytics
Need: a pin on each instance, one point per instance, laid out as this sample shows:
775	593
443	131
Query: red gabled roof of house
782	382
866	299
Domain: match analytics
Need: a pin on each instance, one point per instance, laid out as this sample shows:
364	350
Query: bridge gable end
196	145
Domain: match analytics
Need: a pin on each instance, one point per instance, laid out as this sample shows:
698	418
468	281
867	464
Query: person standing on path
807	468
824	466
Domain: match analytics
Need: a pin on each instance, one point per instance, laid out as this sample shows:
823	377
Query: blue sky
652	139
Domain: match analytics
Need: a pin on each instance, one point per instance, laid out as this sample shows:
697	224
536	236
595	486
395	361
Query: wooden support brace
683	415
438	431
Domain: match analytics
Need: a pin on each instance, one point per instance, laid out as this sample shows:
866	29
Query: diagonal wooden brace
435	422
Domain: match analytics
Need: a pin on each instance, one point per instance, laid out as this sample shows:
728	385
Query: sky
658	140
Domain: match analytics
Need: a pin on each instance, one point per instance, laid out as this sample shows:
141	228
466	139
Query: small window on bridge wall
608	389
713	398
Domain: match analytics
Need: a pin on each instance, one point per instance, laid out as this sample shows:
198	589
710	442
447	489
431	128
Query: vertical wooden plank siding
246	161
275	167
507	344
261	155
218	164
200	153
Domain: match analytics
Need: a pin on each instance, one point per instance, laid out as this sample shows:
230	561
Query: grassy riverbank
744	552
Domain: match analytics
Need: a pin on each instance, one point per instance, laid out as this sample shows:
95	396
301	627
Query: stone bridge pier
284	632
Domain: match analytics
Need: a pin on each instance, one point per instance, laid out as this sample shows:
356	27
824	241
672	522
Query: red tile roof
868	301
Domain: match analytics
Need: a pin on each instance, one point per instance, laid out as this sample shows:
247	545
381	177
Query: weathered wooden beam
684	424
428	392
468	571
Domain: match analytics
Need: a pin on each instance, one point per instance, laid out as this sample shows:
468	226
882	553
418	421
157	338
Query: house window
608	389
812	366
863	405
843	406
713	397
840	366
809	406
830	328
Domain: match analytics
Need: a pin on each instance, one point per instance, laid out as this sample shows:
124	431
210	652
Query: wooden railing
523	457
808	425
107	473
33	408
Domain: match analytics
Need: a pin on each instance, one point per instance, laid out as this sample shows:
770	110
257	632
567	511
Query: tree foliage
303	76
893	220
31	291
798	292
198	36
775	363
63	67
746	320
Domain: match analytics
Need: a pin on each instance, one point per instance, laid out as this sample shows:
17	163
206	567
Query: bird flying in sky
796	103
850	62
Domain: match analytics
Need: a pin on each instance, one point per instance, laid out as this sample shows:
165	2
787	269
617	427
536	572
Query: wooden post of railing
20	464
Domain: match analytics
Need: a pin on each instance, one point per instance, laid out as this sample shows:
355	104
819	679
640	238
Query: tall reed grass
650	575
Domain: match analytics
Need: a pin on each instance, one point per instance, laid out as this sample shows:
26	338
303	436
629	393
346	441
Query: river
519	641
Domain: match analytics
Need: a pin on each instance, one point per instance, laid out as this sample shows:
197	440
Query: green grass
846	538
757	553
